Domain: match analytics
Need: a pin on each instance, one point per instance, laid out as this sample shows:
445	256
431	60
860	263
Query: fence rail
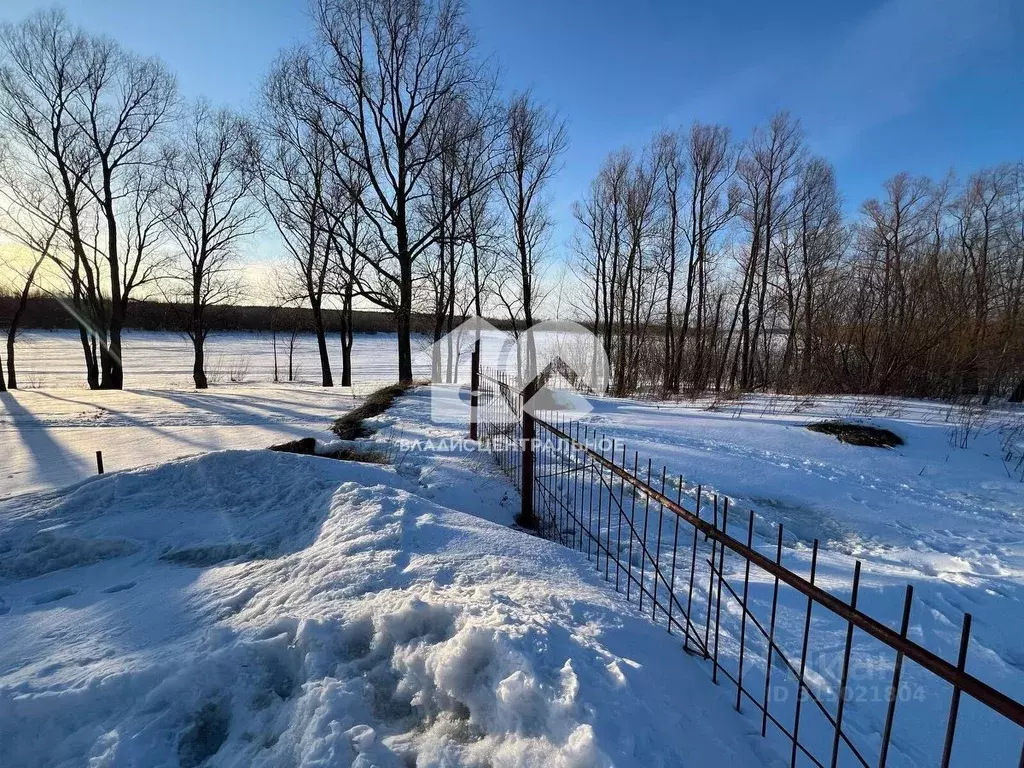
585	492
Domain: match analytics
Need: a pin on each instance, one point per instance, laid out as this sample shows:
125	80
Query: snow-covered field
51	428
164	360
284	605
269	609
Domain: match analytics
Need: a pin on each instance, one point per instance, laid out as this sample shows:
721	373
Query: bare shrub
772	405
804	403
1011	441
967	419
857	434
350	426
31	380
215	370
878	405
725	399
239	372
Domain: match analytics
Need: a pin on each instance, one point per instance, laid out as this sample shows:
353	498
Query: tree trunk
92	371
273	333
110	357
1017	396
346	342
668	377
12	332
110	354
403	322
453	372
321	342
198	365
291	357
12	379
346	355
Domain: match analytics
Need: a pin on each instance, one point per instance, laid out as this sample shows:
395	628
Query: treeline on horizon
48	313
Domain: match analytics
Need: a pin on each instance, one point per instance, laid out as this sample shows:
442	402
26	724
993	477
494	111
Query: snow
162	360
945	519
253	608
50	436
957	511
168	600
51	428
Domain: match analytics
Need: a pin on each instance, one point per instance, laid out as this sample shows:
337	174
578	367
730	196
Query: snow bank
254	608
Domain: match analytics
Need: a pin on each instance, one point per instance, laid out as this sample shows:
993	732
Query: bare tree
85	116
672	163
207	196
534	139
1011	284
292	161
122	104
391	71
39	244
439	266
768	167
707	204
821	240
40	73
26	218
349	239
600	239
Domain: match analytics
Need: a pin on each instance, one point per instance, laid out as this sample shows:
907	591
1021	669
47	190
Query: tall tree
391	71
711	203
292	159
534	139
207	197
122	104
349	240
39	245
40	74
821	240
770	163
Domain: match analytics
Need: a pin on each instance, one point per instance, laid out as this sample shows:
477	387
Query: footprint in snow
53	596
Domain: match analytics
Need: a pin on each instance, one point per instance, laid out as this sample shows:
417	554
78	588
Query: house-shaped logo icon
564	360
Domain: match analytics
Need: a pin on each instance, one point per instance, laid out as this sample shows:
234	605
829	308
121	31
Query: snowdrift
256	608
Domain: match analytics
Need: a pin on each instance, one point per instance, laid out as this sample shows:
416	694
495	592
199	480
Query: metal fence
667	547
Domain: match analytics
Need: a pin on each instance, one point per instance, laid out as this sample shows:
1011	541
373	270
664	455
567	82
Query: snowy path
251	608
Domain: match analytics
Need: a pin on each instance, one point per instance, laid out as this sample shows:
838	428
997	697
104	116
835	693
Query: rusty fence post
527	514
474	388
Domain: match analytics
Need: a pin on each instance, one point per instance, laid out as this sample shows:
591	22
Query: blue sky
880	86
